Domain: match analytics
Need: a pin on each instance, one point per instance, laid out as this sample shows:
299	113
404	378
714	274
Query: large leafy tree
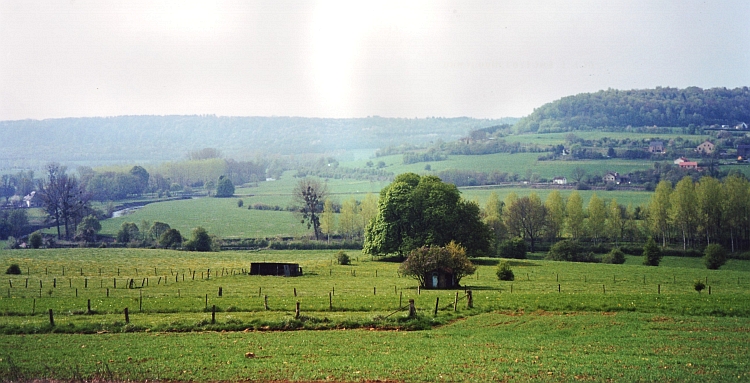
658	210
574	215
65	201
683	210
527	218
597	217
416	211
309	195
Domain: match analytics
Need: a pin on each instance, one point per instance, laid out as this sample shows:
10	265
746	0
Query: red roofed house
689	165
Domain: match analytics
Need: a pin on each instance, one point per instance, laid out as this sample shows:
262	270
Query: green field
222	217
556	322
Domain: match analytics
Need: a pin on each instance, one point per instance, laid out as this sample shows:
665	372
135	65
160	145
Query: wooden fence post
412	309
437	302
206	301
469	299
107	292
265	301
330	301
88	306
455	303
51	319
33	307
213	314
658	291
220	291
374	291
140	301
296	311
127	317
295	291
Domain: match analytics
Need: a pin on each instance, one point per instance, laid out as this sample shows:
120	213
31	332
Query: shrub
12	243
342	258
616	256
35	240
14	269
699	286
715	256
512	248
651	253
571	251
504	273
240	203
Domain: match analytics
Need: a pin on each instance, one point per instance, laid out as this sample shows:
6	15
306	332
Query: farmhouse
278	269
440	279
656	147
707	147
689	165
680	160
560	181
615	177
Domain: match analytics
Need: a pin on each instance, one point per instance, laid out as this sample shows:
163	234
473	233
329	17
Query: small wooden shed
440	279
277	269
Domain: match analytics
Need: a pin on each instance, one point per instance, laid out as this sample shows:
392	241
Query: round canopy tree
225	187
416	211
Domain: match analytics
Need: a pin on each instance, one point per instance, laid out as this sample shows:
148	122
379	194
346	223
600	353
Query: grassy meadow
556	322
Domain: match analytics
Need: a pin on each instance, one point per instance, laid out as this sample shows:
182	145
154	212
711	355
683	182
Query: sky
342	59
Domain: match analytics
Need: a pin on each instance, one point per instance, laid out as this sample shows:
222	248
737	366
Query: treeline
694	214
641	107
691	215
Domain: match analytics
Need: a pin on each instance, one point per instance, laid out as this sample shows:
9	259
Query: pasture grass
606	322
494	346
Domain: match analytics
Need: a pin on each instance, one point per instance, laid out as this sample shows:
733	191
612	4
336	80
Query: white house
560	181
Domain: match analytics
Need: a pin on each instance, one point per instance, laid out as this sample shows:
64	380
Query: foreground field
496	346
555	322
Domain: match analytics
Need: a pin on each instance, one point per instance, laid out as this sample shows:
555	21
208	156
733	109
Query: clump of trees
416	211
224	188
425	260
201	241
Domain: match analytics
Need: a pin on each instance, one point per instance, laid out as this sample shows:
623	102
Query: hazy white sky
353	59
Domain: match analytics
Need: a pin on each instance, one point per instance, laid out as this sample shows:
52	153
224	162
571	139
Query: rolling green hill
641	107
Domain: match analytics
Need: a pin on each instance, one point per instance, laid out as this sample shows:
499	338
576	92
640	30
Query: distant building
688	165
278	269
656	147
680	160
560	181
743	151
616	177
707	147
741	126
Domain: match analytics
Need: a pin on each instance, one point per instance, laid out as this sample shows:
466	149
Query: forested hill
27	143
643	107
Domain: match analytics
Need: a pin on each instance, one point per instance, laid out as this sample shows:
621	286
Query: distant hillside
144	139
644	107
